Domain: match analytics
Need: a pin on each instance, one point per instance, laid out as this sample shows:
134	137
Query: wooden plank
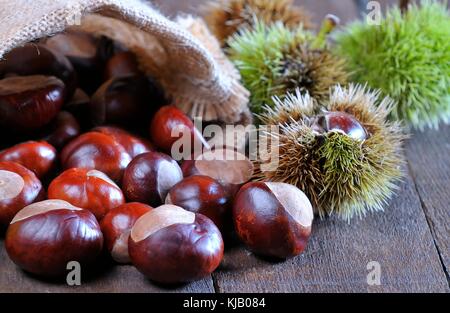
338	254
107	278
429	158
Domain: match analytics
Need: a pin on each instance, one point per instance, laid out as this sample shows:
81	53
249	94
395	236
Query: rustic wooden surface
410	240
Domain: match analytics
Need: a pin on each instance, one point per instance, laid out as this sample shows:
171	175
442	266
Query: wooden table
410	240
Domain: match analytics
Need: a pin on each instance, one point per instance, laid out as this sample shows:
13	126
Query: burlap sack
181	54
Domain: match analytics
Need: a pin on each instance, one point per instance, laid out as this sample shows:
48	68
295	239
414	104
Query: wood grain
338	253
429	157
108	278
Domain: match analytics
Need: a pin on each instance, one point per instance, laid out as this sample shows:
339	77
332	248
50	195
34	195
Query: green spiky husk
340	175
408	58
274	60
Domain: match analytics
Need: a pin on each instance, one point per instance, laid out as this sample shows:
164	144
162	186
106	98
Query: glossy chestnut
123	100
133	145
116	227
342	122
62	129
204	195
171	245
149	177
30	102
88	189
37	156
37	59
170	124
79	106
45	236
230	168
121	64
273	219
80	48
94	150
19	187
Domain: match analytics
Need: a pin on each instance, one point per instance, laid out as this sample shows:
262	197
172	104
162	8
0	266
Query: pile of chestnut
86	165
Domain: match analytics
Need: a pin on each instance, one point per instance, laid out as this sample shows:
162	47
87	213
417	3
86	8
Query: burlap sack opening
182	55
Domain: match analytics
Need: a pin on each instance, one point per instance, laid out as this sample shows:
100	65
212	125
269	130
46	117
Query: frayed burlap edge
183	55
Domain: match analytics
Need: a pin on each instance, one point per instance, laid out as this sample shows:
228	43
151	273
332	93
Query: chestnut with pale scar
230	168
11	184
19	187
44	236
116	227
171	245
273	219
30	102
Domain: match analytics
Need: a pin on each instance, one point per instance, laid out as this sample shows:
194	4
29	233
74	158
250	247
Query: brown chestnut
273	219
133	145
19	187
79	106
79	47
116	227
169	125
45	236
38	157
37	59
30	102
88	189
204	195
149	177
171	245
121	64
98	151
230	168
62	129
341	122
125	100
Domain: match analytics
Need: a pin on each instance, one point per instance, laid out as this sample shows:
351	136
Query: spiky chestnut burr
346	159
407	56
274	60
227	17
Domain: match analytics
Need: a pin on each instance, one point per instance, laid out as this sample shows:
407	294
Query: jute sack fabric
181	54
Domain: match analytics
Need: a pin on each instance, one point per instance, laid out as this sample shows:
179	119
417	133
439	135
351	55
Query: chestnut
116	227
27	103
341	122
149	177
121	64
88	189
94	150
273	219
62	129
171	245
204	195
124	100
80	48
230	168
45	236
37	59
169	124
38	157
133	145
19	187
79	106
